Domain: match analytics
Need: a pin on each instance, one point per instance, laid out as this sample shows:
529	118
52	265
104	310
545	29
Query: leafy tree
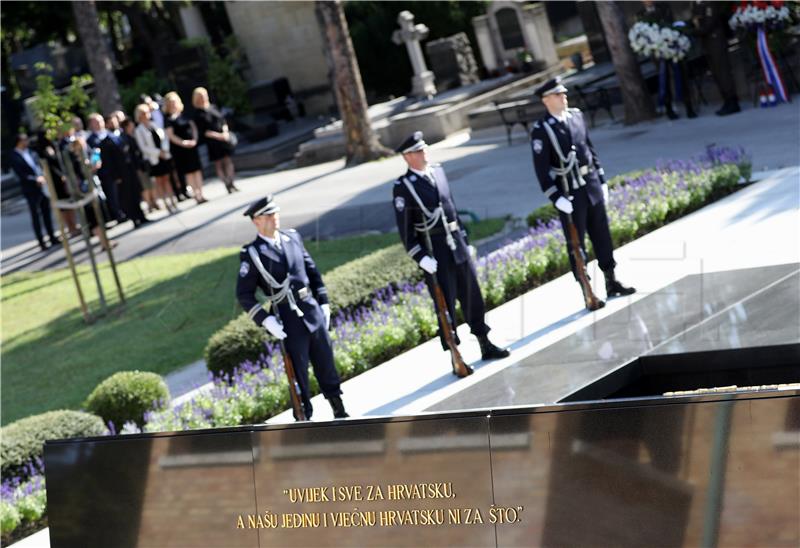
53	110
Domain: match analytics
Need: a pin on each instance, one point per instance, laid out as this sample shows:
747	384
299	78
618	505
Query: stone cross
422	83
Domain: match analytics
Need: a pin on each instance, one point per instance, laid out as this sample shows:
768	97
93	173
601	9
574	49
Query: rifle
288	365
573	243
460	369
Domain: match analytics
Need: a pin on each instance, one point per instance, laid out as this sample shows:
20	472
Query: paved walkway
734	233
488	176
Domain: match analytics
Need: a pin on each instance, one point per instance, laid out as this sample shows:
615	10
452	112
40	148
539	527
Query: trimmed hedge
354	284
126	396
349	286
23	441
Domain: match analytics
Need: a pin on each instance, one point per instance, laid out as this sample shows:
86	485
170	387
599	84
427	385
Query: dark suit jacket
294	262
25	173
569	134
407	213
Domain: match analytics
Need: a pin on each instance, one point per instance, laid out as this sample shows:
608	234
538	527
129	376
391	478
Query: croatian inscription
363	516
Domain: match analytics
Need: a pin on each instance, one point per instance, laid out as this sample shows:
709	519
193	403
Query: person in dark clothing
213	131
47	152
710	21
277	263
108	180
25	164
563	155
182	134
116	152
660	14
425	210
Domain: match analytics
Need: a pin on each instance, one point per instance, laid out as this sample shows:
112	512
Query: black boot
338	407
614	287
489	351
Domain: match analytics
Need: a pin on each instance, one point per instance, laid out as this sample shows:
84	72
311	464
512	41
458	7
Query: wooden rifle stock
294	386
592	303
460	369
288	366
574	246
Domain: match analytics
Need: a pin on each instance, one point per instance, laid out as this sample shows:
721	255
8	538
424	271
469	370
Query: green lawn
51	359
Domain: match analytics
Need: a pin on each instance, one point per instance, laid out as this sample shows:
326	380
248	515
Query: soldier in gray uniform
423	204
563	155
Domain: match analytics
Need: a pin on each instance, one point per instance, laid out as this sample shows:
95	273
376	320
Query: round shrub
23	440
238	341
126	396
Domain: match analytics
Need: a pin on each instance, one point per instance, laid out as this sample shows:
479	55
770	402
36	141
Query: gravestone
512	31
422	83
452	61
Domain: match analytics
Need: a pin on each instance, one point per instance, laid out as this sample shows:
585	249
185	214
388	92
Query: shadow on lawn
159	328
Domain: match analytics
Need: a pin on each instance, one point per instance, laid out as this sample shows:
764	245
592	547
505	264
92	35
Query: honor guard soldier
435	239
570	175
296	310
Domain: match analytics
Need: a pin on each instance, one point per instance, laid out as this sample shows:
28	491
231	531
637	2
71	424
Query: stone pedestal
453	62
509	30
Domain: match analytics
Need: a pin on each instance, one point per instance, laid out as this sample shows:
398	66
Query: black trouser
315	347
720	65
39	204
112	199
592	219
130	199
681	82
459	281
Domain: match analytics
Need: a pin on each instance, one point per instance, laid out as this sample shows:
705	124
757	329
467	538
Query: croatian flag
770	68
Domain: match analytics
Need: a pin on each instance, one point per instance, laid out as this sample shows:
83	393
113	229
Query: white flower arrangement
650	40
750	17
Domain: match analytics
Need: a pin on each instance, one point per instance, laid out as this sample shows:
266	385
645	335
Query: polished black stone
717	310
717	470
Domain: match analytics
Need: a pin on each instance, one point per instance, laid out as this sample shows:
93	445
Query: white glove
605	193
428	264
326	311
473	252
275	329
564	205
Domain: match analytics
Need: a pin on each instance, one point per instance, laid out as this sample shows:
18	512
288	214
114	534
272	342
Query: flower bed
23	502
401	317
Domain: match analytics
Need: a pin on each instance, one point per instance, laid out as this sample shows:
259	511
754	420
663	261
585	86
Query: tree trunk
362	144
100	61
637	100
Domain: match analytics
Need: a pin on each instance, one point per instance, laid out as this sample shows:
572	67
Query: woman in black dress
182	135
213	130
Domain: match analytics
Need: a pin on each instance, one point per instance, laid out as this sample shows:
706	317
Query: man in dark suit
278	263
111	167
423	204
25	165
564	154
711	26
